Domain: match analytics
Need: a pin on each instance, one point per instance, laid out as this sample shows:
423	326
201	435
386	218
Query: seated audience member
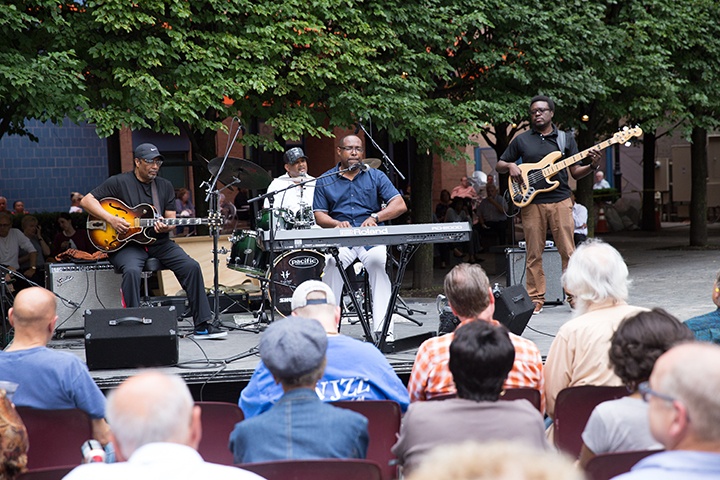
442	207
464	190
355	370
13	440
707	327
684	412
68	237
32	231
19	208
600	181
156	433
491	213
12	241
597	278
299	425
481	356
495	461
3	205
622	425
46	378
580	218
467	289
75	198
184	208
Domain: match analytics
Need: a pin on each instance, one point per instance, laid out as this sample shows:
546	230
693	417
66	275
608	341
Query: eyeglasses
153	160
539	110
352	149
646	392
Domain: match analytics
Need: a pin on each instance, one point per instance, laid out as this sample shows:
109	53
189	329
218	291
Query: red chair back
532	395
609	465
56	436
218	421
328	469
383	426
572	410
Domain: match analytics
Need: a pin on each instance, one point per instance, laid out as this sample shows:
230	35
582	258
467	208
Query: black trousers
130	261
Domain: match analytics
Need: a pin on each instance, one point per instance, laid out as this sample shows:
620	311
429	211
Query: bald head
32	312
152	407
690	374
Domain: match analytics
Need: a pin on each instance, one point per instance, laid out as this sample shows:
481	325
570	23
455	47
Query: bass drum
246	255
291	269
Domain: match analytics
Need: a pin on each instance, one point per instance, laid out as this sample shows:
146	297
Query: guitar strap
156	198
561	141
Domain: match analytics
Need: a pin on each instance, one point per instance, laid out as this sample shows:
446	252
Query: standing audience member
68	237
12	241
32	231
622	425
19	208
355	370
597	277
299	425
684	412
481	356
707	327
495	461
48	379
75	198
548	208
467	289
580	218
156	433
13	440
600	181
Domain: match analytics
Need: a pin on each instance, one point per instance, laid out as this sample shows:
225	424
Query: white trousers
374	262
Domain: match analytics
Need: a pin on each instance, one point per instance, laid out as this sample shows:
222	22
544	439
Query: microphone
363	167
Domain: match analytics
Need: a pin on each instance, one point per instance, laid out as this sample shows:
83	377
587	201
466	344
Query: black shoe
208	331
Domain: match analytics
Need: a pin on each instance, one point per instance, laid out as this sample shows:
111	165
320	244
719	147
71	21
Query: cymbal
372	162
251	175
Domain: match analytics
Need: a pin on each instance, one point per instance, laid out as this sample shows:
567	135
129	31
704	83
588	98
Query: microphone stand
384	155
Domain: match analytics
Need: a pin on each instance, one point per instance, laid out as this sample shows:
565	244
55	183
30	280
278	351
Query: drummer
297	201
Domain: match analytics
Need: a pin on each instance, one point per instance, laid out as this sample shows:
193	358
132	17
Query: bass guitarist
553	207
142	185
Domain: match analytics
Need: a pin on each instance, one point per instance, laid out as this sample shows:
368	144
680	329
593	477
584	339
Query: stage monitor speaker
88	286
131	337
513	308
552	266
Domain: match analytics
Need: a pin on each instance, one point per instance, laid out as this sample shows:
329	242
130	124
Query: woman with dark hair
68	237
622	425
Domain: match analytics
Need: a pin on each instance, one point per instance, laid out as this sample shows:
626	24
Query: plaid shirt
431	375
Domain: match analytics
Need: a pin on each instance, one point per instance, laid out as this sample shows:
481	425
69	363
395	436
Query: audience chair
56	436
218	421
326	469
47	473
608	465
383	427
572	410
532	395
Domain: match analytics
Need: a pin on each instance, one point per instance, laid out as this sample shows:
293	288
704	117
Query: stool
151	266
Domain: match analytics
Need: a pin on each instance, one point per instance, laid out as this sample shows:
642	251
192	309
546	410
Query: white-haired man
156	432
684	412
355	370
597	277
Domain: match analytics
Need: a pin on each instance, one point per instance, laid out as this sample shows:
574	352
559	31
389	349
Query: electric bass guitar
536	177
143	216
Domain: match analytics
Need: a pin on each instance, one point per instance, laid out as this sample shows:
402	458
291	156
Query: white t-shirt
620	425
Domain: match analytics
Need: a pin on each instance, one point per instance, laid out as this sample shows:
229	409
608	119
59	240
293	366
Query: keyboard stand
335	252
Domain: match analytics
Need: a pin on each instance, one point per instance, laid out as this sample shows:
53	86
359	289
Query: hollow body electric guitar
537	177
143	216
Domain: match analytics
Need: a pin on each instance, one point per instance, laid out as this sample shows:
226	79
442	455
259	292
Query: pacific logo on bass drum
304	262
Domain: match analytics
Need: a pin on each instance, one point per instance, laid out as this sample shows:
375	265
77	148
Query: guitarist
140	186
548	209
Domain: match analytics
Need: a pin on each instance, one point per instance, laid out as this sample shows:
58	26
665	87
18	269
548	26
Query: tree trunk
421	205
698	187
648	223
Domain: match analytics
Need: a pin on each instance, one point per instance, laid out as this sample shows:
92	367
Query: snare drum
291	269
246	255
281	217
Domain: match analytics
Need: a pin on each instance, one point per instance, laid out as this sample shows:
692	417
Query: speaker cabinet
82	287
513	308
552	266
131	337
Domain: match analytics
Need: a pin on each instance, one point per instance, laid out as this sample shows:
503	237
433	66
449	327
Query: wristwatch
375	217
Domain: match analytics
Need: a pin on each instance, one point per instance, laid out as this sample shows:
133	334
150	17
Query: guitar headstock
626	134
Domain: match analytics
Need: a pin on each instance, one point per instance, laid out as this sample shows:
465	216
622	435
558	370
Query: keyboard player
354	199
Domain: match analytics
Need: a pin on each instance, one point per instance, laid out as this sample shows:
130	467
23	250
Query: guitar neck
180	221
557	166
